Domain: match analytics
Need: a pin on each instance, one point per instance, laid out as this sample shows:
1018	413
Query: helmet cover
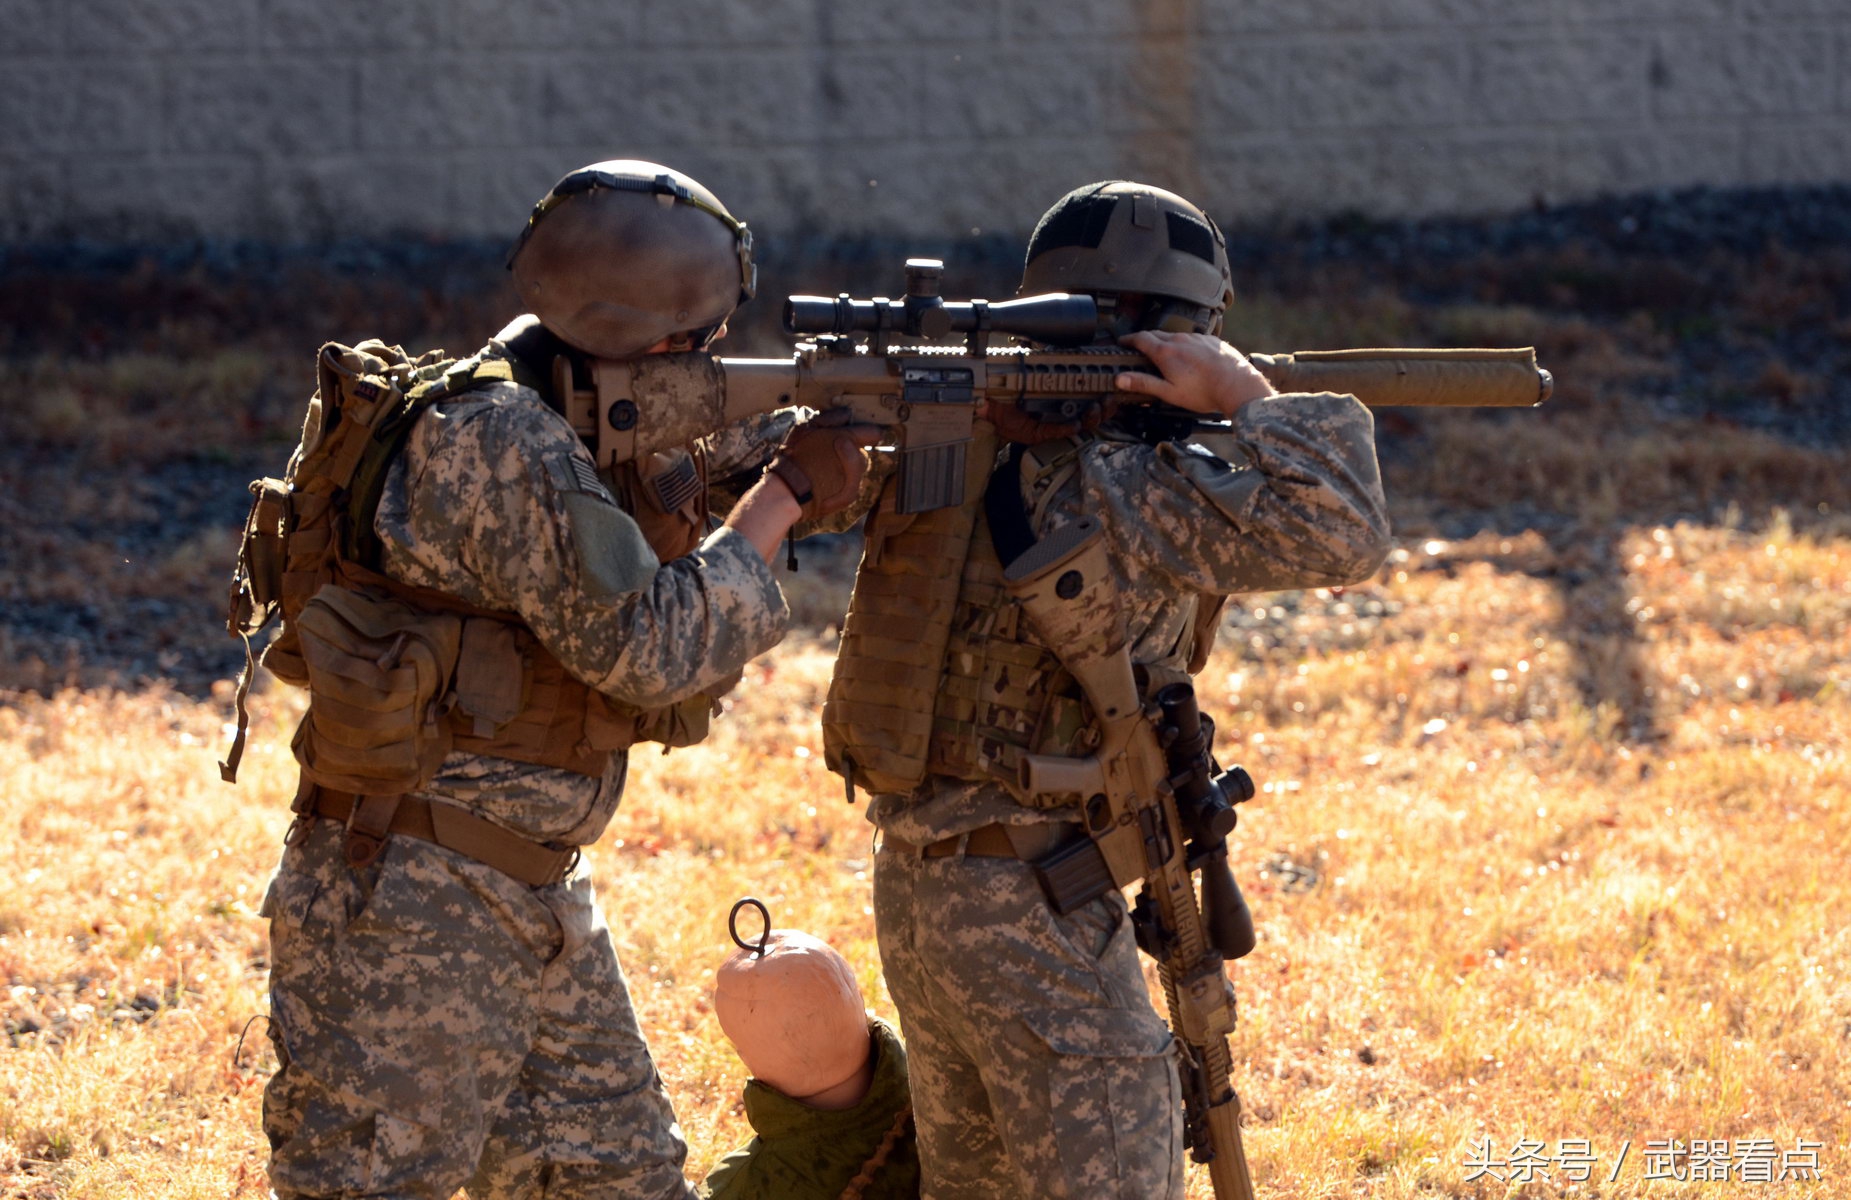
622	254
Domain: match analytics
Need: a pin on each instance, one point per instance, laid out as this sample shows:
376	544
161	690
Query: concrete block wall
308	119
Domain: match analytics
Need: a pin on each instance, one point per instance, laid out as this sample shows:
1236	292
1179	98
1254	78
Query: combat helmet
623	253
1122	238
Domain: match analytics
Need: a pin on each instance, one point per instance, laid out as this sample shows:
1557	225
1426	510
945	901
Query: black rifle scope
1056	319
1205	803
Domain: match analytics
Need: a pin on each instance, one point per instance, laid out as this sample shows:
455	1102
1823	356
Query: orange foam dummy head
796	1016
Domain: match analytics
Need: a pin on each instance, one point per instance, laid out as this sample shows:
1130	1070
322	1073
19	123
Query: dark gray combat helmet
623	253
1120	238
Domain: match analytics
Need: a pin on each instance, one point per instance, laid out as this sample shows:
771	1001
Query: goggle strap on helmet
588	178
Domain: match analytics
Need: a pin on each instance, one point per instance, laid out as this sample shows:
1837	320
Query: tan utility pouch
685	722
379	675
258	581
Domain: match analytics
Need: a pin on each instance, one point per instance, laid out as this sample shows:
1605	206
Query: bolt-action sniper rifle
928	395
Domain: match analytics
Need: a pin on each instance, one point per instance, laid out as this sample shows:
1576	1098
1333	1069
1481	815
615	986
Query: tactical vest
400	675
938	672
1003	694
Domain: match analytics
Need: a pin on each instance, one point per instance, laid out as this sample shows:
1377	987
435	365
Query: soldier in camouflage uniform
439	1021
1038	1065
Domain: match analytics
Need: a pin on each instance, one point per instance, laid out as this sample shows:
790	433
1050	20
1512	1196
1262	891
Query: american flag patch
585	479
586	475
677	485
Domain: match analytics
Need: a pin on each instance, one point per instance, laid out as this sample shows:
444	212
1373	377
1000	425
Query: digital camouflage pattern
494	500
439	1023
1038	1066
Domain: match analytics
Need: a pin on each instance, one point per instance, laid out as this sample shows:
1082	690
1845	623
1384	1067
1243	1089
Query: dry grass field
1547	865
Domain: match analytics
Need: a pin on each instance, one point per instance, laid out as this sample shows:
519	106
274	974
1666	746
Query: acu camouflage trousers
440	1025
1038	1066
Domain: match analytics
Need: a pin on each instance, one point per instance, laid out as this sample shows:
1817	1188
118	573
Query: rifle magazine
1073	875
931	477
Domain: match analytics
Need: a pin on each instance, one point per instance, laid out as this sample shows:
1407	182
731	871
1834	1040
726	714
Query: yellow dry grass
1548	849
1497	906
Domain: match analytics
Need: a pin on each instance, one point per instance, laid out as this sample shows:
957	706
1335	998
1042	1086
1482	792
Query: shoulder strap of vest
1012	525
1010	530
359	543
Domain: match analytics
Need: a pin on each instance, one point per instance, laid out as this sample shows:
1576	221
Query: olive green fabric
804	1153
612	551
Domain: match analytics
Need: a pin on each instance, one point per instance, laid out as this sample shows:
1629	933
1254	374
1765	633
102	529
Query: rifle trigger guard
732	926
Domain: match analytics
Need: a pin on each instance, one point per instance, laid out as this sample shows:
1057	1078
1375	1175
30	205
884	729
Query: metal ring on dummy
732	925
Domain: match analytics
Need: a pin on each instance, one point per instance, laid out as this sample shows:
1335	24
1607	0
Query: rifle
1156	808
1157	811
929	394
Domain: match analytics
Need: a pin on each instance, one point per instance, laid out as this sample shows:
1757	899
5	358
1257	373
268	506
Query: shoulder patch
586	476
570	473
614	557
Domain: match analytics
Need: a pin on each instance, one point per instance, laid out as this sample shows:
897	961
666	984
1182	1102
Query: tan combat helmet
621	254
1119	237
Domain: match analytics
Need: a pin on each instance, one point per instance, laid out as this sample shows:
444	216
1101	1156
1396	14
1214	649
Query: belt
1028	842
534	863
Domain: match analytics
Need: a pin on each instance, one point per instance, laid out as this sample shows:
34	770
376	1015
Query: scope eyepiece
820	314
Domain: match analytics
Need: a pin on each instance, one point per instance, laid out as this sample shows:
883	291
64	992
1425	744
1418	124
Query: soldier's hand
1200	372
823	460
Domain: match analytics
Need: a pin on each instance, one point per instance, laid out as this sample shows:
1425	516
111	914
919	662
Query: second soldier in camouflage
1038	1065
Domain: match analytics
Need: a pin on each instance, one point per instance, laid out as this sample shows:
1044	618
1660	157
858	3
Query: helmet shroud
1123	238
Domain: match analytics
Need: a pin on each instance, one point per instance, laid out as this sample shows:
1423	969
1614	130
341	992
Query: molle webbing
510	698
939	672
878	715
547	718
561	722
877	720
1003	694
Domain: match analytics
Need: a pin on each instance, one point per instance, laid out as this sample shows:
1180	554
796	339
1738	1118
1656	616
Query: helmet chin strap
1179	316
690	340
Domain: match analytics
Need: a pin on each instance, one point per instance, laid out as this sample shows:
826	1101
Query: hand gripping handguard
1130	789
928	397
